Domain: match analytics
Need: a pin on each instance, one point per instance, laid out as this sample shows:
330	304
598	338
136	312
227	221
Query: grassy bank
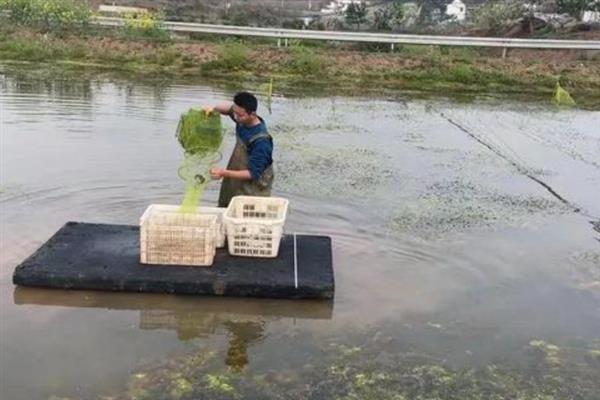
423	68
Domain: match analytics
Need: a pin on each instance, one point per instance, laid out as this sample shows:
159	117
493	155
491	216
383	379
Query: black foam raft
106	257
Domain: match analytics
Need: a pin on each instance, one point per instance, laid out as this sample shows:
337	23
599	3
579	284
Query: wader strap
262	135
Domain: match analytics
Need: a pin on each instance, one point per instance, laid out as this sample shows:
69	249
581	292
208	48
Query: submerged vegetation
370	371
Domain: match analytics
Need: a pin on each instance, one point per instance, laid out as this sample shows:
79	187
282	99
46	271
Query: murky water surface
465	234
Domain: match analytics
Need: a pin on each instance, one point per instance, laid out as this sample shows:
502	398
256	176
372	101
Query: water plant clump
200	135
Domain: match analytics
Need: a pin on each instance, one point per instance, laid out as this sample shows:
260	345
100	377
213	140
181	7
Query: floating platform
106	257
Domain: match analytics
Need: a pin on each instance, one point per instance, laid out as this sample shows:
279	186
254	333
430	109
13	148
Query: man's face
241	115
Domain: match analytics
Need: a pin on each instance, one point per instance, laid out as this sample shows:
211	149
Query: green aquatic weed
200	135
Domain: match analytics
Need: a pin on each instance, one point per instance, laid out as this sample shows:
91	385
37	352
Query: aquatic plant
200	135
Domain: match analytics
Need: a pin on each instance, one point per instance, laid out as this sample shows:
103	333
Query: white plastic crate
217	212
168	236
254	225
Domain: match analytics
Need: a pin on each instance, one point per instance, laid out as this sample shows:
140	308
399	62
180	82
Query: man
250	168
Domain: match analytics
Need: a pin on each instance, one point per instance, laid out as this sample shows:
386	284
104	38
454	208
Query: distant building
457	10
591	17
338	6
306	21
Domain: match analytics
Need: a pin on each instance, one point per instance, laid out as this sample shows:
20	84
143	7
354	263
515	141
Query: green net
562	97
200	134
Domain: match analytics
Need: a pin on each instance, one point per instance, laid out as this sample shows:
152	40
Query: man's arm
218	173
222	108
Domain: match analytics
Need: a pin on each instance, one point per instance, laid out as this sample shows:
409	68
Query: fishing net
200	135
562	97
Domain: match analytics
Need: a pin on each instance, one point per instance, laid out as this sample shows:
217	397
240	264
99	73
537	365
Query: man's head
244	107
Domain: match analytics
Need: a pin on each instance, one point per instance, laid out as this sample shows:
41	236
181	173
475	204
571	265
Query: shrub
462	73
231	56
305	61
145	25
495	16
47	15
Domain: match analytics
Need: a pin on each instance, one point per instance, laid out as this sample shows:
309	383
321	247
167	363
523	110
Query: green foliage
165	57
462	73
356	14
47	15
232	56
576	8
249	14
145	25
25	50
305	61
17	48
389	17
429	11
496	16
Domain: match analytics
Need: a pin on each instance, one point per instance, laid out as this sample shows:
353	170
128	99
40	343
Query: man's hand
208	109
217	173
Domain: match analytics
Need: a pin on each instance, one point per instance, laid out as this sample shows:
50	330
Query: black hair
247	101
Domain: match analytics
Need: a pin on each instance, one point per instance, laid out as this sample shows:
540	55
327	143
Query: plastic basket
254	225
217	212
170	237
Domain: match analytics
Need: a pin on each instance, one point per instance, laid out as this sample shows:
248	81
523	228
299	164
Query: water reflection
244	321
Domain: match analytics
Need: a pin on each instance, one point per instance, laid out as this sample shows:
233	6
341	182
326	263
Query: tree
356	14
430	10
496	17
576	8
389	17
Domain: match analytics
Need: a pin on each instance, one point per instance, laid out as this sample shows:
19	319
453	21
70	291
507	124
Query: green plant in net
562	98
200	135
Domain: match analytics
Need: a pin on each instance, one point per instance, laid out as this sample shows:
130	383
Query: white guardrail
392	39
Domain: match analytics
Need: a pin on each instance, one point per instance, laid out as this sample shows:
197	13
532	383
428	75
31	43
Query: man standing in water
250	168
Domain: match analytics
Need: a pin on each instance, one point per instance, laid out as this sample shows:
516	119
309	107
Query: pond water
465	238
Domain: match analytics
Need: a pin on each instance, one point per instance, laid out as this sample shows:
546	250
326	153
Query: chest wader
239	161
